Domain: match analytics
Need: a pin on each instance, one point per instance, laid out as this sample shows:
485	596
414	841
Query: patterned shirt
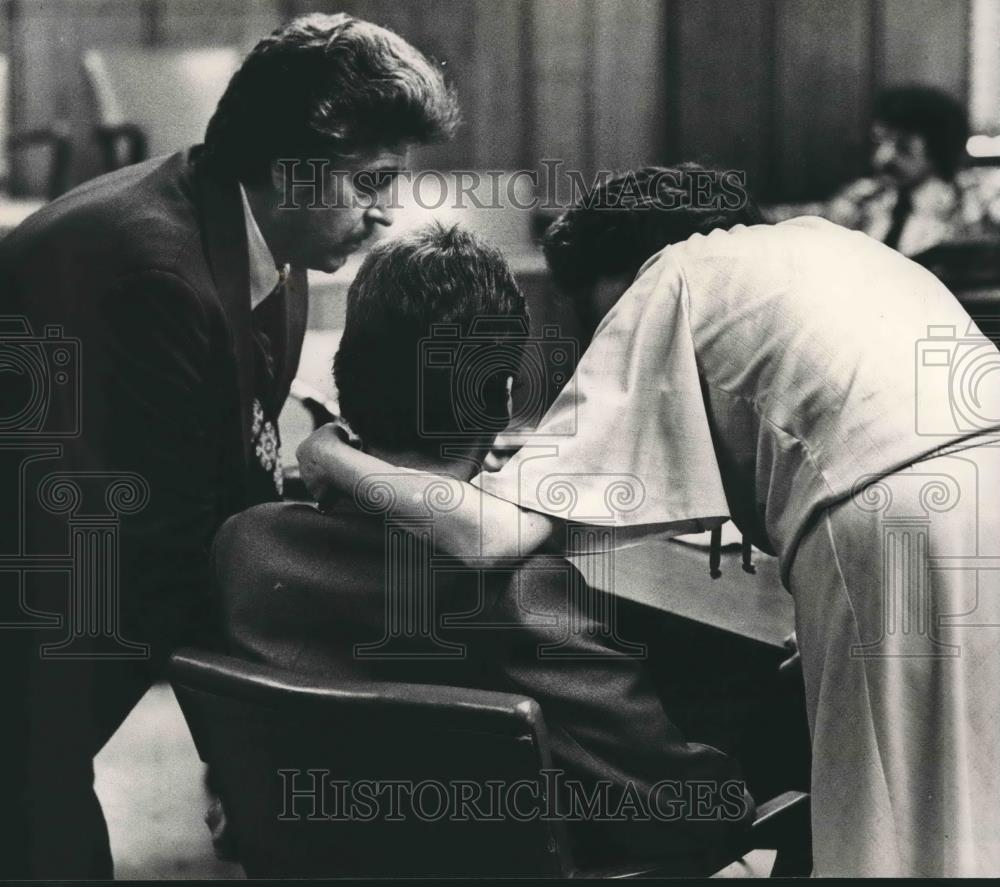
266	286
967	208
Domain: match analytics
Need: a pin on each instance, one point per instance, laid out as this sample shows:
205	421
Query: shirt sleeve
627	443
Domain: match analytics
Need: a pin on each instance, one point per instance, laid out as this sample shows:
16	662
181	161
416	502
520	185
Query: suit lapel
296	311
226	249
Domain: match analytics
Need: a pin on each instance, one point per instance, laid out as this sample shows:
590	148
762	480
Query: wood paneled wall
48	38
784	88
781	88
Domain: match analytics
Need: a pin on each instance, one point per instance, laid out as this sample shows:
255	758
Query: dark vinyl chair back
972	272
287	751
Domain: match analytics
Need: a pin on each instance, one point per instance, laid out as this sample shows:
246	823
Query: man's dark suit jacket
299	589
145	272
148	268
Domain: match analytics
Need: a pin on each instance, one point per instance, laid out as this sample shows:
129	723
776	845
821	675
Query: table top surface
673	576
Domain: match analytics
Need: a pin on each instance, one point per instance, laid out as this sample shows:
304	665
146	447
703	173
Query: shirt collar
264	272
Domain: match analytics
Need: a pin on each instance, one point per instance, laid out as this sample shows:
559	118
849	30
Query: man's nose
885	154
379	214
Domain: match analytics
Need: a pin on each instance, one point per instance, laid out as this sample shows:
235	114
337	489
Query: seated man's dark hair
327	87
619	225
405	381
936	116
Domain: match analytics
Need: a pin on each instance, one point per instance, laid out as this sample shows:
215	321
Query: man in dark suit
180	287
344	592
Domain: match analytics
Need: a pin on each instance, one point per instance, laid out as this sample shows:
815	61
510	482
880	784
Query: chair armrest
59	140
779	823
207	671
111	135
783	824
56	133
776	816
651	870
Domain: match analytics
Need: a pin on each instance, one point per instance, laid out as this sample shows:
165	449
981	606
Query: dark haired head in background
317	123
921	193
327	86
595	249
394	398
918	131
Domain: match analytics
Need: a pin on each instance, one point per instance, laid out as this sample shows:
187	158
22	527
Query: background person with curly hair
921	192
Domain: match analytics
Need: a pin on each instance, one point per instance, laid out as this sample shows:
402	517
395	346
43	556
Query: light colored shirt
264	272
760	373
965	209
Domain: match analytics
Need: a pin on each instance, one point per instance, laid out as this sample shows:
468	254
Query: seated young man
318	591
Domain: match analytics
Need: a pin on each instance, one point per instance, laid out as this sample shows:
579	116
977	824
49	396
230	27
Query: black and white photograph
497	439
